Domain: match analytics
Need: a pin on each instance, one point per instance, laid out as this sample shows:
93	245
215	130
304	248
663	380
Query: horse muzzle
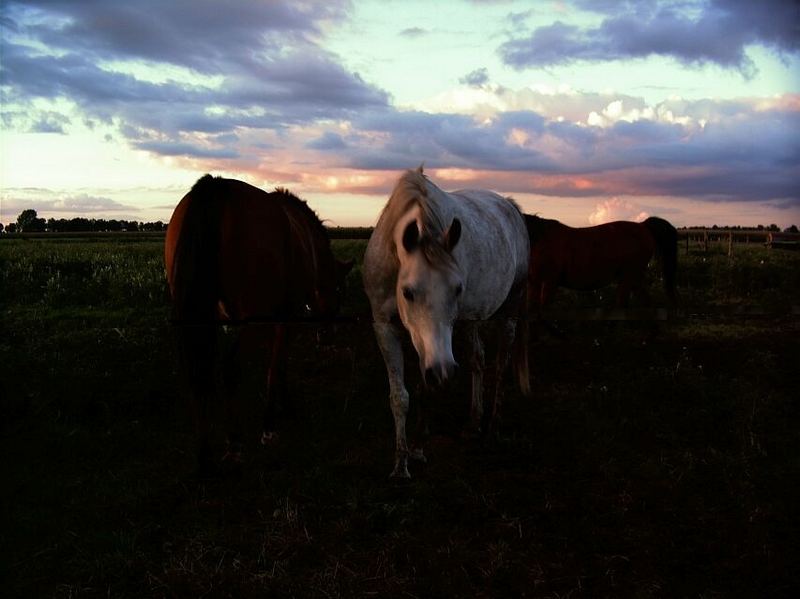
439	374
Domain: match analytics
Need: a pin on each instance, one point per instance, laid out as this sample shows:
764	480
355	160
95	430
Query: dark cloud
199	34
476	78
50	122
715	31
413	32
261	66
703	149
82	203
328	141
173	148
448	140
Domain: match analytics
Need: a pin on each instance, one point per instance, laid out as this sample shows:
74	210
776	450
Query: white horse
435	257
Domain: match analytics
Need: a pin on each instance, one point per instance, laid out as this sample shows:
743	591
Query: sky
582	110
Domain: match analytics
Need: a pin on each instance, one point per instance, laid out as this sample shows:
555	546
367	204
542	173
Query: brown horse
593	257
235	254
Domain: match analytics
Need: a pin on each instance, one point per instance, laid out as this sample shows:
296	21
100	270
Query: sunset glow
581	111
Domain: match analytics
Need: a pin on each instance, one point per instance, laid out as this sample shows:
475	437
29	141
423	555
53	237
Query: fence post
705	240
730	244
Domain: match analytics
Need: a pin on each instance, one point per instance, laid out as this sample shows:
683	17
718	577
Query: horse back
494	250
226	252
591	257
255	276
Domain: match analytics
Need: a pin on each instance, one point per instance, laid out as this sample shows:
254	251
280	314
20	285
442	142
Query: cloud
51	202
190	33
87	203
171	148
254	92
50	122
744	150
174	72
694	33
327	141
476	78
414	32
447	140
616	209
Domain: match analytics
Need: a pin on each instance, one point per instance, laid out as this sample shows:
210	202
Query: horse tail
666	238
520	347
195	294
195	278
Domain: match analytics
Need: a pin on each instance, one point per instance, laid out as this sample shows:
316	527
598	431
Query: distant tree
11	228
156	226
792	229
1	227
29	221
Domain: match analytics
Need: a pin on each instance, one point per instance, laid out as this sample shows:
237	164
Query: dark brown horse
235	254
593	257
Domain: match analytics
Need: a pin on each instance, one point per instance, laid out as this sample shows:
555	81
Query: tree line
773	227
29	222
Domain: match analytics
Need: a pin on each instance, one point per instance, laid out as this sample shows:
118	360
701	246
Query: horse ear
420	168
452	235
411	236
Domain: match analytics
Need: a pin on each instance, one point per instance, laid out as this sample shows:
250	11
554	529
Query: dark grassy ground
664	469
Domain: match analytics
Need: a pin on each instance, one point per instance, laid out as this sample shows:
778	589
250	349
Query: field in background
652	469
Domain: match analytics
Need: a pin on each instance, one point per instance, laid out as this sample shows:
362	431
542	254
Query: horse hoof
232	457
400	473
418	456
471	434
269	438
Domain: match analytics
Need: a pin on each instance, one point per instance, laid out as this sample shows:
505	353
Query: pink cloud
616	209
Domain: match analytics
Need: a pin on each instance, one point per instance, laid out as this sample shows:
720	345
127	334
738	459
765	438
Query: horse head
429	285
328	289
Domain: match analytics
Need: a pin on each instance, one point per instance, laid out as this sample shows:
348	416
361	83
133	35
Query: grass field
664	469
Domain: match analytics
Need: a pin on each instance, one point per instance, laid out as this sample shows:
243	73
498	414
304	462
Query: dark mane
538	226
302	206
412	190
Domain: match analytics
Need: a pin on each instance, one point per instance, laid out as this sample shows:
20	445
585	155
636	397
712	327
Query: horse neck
305	246
415	190
538	227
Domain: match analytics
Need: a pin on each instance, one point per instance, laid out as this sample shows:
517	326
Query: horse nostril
440	374
431	380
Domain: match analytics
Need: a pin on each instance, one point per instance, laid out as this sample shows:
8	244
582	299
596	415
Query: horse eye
459	289
408	294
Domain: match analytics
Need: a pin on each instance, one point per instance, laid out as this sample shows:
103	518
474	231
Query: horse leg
623	293
197	351
276	382
546	292
504	332
388	337
477	363
643	296
535	305
231	376
422	431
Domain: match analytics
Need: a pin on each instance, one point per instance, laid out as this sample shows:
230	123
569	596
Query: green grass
125	273
637	469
